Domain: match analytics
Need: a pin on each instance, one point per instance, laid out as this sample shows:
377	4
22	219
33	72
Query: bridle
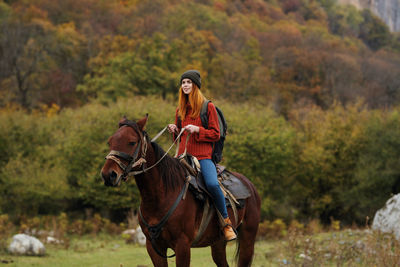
133	160
128	170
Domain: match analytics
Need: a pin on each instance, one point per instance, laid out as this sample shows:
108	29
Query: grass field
344	248
112	251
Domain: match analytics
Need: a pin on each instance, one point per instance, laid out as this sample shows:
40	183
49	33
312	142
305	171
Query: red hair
195	99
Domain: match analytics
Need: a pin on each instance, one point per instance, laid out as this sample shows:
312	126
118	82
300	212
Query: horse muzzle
111	178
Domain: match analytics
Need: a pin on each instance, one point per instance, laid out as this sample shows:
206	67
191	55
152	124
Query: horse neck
151	185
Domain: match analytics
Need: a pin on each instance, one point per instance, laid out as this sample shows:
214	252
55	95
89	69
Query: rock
23	244
304	256
135	236
387	10
52	240
129	232
140	238
387	218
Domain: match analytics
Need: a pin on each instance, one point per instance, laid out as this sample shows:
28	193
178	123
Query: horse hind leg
218	252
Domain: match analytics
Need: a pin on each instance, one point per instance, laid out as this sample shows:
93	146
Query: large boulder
387	218
23	244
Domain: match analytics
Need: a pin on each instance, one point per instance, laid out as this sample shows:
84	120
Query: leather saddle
232	187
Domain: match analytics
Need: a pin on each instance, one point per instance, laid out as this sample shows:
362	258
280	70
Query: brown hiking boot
229	233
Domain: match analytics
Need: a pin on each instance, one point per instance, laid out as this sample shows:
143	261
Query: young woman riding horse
201	140
170	217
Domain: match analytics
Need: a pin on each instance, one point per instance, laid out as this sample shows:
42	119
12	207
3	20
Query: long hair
195	99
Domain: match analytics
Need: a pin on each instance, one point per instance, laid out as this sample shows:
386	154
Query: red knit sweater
200	144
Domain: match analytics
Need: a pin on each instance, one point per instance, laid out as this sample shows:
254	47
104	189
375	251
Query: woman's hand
172	128
192	128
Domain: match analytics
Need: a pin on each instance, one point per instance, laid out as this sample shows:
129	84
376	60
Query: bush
6	230
272	230
329	146
317	164
260	145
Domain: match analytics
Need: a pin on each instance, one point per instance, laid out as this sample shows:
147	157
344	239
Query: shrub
6	230
272	230
314	227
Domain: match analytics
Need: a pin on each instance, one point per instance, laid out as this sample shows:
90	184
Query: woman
201	141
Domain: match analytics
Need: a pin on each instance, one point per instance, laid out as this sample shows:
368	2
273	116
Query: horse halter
132	160
128	169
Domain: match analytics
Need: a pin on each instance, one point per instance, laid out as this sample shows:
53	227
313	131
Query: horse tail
248	229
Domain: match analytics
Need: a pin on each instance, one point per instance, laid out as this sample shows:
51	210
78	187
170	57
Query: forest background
310	90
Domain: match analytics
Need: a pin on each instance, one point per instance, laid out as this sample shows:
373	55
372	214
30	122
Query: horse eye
132	143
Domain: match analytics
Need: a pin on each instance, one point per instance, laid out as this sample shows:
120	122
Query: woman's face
187	86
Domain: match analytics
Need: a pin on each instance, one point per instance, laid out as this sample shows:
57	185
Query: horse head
127	151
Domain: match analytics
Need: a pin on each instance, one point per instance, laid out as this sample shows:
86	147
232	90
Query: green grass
112	251
336	248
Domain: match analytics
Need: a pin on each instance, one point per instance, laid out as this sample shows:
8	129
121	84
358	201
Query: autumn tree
67	49
329	147
373	31
24	53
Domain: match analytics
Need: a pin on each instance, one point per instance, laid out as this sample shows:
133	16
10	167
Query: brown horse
176	219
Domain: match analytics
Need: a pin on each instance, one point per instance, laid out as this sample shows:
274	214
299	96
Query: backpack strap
203	114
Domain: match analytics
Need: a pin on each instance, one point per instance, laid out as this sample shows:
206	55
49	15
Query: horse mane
171	170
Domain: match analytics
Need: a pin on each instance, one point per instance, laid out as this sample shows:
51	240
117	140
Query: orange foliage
292	58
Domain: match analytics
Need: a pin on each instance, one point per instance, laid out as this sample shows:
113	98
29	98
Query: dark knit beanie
193	75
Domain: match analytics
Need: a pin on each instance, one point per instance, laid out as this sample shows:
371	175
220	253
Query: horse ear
123	119
141	123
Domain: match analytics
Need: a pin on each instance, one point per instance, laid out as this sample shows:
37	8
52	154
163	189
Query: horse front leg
182	251
218	252
157	260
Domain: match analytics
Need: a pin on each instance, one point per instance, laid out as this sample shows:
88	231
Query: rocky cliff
387	10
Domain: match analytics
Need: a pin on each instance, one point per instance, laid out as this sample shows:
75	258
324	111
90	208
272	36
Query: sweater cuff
201	134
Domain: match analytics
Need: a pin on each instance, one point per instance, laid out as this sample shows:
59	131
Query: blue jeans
210	178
